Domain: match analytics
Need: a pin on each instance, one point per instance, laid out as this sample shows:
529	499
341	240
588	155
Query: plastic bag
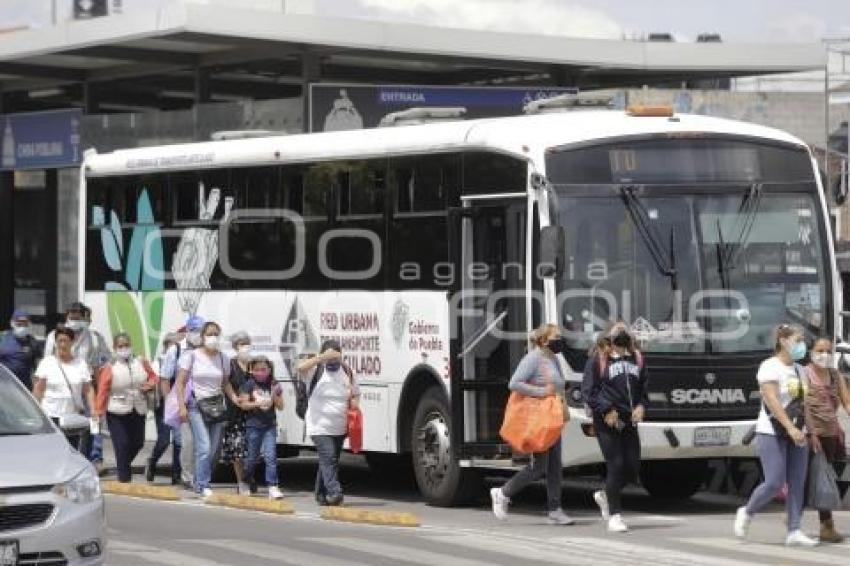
532	424
823	485
355	430
171	409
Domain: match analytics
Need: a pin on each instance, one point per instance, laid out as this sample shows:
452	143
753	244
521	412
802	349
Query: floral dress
234	445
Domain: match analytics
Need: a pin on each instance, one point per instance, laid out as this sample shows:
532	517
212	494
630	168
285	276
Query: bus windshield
694	267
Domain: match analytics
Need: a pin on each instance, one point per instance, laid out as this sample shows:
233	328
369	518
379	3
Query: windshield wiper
16	433
728	254
640	218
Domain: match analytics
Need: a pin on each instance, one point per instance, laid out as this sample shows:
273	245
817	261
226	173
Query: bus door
489	333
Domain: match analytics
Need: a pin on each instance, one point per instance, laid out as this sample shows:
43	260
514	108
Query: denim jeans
329	449
164	435
206	438
783	462
262	441
544	464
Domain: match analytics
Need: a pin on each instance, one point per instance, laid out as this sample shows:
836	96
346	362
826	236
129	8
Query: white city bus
431	250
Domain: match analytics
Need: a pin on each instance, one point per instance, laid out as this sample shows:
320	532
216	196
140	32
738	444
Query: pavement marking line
249	503
790	555
354	515
156	555
582	550
398	552
162	493
283	554
637	553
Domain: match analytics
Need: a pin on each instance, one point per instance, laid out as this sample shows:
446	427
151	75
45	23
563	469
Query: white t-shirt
327	411
788	381
207	373
58	399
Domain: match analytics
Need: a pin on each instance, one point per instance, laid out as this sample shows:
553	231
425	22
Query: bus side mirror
552	251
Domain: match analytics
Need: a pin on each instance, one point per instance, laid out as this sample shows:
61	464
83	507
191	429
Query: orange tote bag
532	424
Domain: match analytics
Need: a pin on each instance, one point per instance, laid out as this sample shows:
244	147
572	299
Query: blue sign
349	106
40	140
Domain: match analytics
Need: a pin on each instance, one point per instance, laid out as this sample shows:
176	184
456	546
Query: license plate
712	436
8	553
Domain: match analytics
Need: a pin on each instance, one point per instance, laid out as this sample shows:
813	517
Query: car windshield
692	268
19	413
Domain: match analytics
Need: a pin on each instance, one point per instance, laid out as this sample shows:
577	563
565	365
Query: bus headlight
83	488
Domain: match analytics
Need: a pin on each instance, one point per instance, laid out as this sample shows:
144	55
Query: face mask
124	353
84	324
21	330
211	342
622	339
798	351
194	338
261	374
333	366
557	345
822	359
75	325
244	352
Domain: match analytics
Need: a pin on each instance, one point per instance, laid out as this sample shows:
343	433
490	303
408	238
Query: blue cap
20	313
195	323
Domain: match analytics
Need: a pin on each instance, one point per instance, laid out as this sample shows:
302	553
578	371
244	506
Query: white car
51	506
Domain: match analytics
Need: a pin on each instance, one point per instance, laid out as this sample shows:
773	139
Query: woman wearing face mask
827	391
261	397
614	387
334	391
121	397
63	383
233	446
780	441
538	375
206	412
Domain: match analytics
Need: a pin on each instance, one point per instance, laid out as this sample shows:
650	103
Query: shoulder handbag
532	425
213	409
794	410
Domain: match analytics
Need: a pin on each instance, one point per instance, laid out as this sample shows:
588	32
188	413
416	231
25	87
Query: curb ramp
354	515
248	503
161	493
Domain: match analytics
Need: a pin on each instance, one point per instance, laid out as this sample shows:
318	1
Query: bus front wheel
679	479
441	480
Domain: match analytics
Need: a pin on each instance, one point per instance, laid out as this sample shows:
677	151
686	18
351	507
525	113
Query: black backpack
303	393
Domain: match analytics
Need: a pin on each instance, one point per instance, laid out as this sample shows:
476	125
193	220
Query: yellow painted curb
352	515
139	490
251	503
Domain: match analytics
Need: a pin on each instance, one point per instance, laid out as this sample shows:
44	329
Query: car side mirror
552	252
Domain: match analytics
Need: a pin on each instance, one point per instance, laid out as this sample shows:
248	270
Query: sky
735	20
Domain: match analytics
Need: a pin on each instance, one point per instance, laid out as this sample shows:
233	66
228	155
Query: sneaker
275	493
616	524
334	500
742	523
150	471
500	503
243	489
558	517
101	469
206	493
601	499
799	538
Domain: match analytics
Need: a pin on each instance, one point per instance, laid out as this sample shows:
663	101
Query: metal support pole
311	71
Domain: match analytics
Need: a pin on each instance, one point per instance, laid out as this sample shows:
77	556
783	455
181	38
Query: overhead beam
136	54
41	71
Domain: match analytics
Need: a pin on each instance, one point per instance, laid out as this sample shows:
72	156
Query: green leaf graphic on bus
140	269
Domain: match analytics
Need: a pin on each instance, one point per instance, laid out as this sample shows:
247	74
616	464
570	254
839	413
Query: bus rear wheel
673	480
441	480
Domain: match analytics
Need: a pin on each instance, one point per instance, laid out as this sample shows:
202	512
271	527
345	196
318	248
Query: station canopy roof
170	57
